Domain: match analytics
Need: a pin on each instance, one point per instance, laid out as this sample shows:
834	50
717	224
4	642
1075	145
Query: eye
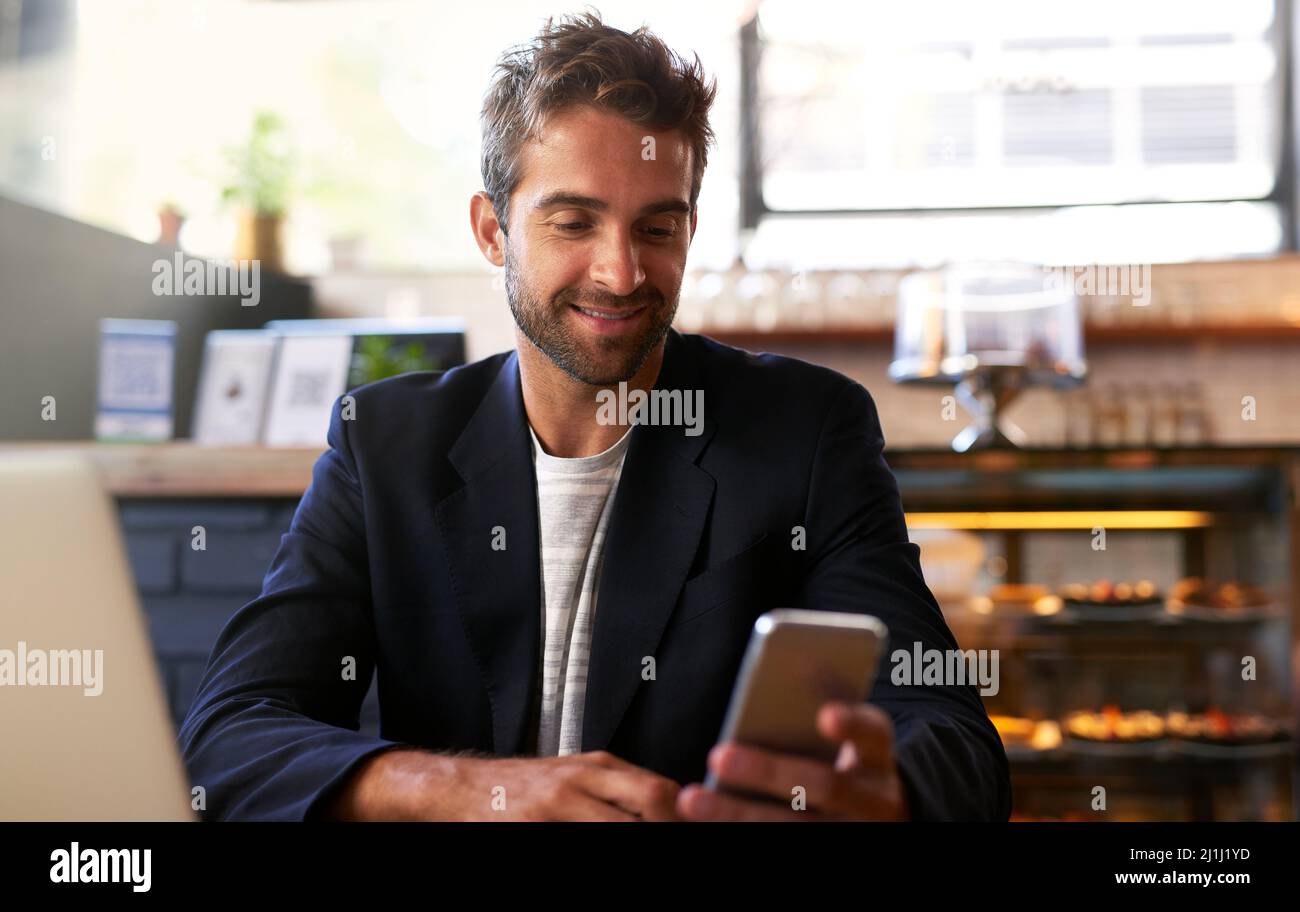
572	227
659	232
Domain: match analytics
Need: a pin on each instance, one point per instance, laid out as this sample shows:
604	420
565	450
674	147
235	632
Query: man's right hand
412	784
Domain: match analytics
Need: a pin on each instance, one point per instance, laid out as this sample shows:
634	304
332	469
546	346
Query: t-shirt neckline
579	463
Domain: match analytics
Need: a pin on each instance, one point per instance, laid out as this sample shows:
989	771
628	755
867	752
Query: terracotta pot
258	238
170	222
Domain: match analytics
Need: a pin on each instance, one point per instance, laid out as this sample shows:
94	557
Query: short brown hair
580	60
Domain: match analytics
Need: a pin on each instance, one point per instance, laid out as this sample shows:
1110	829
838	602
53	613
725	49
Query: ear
487	230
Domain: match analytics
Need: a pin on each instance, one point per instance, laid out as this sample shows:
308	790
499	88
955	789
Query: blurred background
891	187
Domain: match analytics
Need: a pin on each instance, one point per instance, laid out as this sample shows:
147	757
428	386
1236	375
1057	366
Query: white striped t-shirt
574	499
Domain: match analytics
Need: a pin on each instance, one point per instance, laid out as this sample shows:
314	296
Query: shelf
1166	757
1140	483
1131	334
1199	478
1011	460
1163	638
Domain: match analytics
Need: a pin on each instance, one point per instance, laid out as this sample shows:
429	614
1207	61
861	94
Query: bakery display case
1143	604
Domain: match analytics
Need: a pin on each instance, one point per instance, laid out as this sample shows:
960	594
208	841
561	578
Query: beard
597	360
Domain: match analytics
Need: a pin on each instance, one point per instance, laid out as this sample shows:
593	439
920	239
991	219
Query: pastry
1104	593
1114	726
1227	599
1216	727
1027	733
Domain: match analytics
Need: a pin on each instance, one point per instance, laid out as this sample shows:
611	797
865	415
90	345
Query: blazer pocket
737	576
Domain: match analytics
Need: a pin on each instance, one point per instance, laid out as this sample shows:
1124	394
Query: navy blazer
389	562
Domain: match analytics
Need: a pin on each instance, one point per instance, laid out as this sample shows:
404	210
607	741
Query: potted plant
171	218
259	185
378	357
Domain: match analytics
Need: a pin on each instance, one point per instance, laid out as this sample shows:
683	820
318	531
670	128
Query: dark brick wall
188	595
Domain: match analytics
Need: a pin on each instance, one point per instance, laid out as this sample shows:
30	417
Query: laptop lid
86	734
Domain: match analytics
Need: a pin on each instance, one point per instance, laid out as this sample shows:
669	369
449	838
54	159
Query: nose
616	263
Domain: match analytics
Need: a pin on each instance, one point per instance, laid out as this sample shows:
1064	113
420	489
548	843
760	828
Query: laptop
85	733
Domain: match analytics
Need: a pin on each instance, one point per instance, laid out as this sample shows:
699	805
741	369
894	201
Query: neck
562	410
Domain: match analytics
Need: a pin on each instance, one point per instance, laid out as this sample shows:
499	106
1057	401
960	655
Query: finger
613	761
862	794
764	772
697	803
641	792
868	728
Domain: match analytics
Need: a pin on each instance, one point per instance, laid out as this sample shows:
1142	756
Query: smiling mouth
611	315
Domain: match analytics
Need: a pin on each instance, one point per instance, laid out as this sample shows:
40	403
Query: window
939	106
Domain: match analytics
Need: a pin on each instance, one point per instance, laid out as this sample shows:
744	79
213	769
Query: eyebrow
564	198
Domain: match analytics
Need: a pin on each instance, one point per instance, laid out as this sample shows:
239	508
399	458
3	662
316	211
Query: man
556	597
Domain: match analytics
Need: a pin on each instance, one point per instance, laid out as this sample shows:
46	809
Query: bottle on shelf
1164	416
1078	418
1137	417
801	301
846	295
757	301
1193	419
1109	416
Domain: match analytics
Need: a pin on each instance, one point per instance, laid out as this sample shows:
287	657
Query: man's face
598	238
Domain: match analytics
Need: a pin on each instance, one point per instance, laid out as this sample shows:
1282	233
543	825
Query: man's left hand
862	784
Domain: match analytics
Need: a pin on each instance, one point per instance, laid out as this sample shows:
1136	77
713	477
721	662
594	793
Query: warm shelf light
1063	519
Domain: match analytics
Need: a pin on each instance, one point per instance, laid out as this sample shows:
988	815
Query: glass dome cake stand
990	330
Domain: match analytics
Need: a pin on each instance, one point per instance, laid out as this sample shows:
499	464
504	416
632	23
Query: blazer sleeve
949	755
274	726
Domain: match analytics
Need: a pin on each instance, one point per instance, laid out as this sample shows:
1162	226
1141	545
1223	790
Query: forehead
597	153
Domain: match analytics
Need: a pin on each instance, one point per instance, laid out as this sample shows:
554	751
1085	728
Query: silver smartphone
796	661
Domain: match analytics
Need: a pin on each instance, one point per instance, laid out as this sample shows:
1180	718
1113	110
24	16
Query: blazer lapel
659	513
498	592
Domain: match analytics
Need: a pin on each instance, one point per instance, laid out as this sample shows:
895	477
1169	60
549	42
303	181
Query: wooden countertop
184	469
